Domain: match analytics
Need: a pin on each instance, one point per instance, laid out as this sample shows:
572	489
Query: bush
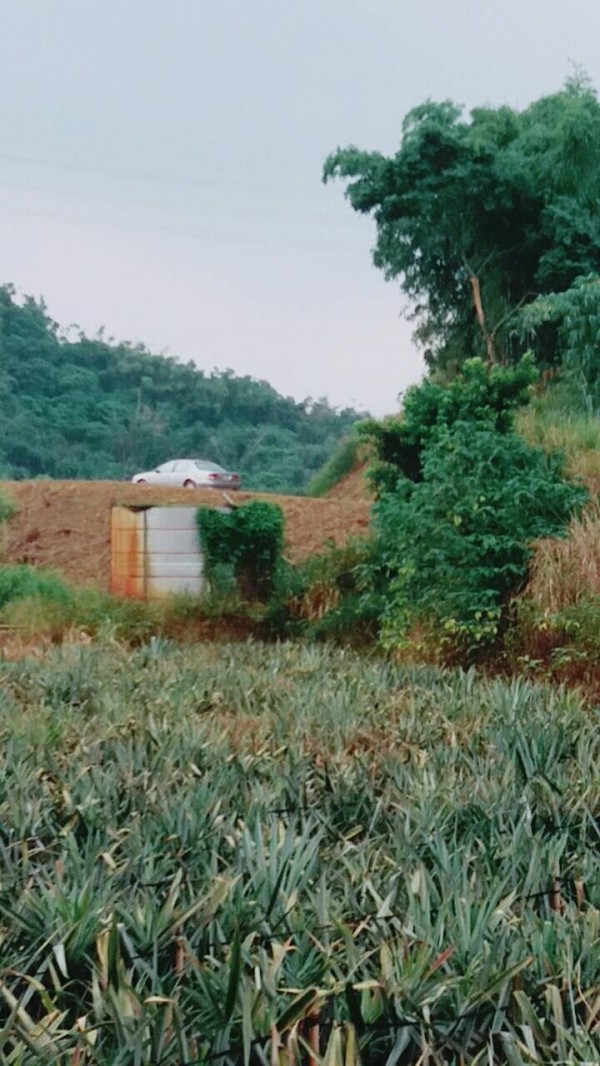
22	582
247	542
457	545
479	395
327	597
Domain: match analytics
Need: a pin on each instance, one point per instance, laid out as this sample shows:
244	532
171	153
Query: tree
477	217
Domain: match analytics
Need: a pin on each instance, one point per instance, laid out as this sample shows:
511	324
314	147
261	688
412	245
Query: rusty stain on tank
127	566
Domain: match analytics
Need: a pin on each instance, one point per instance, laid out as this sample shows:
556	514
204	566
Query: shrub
479	395
21	582
457	545
247	541
328	596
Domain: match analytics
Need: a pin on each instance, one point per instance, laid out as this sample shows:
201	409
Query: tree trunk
477	304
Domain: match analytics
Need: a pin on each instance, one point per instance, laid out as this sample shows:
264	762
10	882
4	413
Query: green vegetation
21	582
211	849
294	854
556	419
576	315
245	543
7	509
457	546
462	499
77	407
479	395
480	218
327	597
342	462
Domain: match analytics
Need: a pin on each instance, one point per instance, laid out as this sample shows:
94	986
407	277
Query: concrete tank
155	552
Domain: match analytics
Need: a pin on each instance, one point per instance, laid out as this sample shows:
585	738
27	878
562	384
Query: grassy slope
193	840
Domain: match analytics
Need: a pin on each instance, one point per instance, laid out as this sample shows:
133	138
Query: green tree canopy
476	217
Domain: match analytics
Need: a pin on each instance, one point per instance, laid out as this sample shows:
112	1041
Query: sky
161	160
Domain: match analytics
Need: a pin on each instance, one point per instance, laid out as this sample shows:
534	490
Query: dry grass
577	437
563	572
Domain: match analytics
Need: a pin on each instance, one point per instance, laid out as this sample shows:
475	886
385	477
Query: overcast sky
160	165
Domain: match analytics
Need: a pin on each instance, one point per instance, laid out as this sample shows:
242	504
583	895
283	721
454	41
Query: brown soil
354	486
65	525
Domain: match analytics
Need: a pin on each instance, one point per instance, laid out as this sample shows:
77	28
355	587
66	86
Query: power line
265	240
161	179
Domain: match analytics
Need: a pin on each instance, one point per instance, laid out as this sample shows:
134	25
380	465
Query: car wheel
141	481
189	484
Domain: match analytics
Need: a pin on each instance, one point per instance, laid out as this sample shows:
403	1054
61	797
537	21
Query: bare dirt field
65	525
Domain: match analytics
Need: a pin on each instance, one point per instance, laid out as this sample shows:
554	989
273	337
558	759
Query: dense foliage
457	545
245	541
478	394
206	850
477	217
461	500
575	314
82	407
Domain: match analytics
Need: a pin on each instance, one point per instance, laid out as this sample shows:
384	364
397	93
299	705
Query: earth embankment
65	525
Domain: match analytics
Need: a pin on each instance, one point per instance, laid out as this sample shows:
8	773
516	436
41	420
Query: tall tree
476	217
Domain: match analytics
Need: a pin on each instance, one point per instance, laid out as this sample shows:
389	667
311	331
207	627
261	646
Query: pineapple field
293	854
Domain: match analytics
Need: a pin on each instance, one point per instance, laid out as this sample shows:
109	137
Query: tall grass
556	421
564	572
342	462
243	854
41	606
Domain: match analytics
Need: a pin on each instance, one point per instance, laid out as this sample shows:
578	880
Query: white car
191	474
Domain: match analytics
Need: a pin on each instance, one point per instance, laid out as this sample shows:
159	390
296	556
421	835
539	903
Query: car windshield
214	467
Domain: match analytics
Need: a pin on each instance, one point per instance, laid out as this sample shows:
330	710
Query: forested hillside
87	408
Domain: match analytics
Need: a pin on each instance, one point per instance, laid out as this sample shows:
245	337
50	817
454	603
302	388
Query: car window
166	468
214	467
